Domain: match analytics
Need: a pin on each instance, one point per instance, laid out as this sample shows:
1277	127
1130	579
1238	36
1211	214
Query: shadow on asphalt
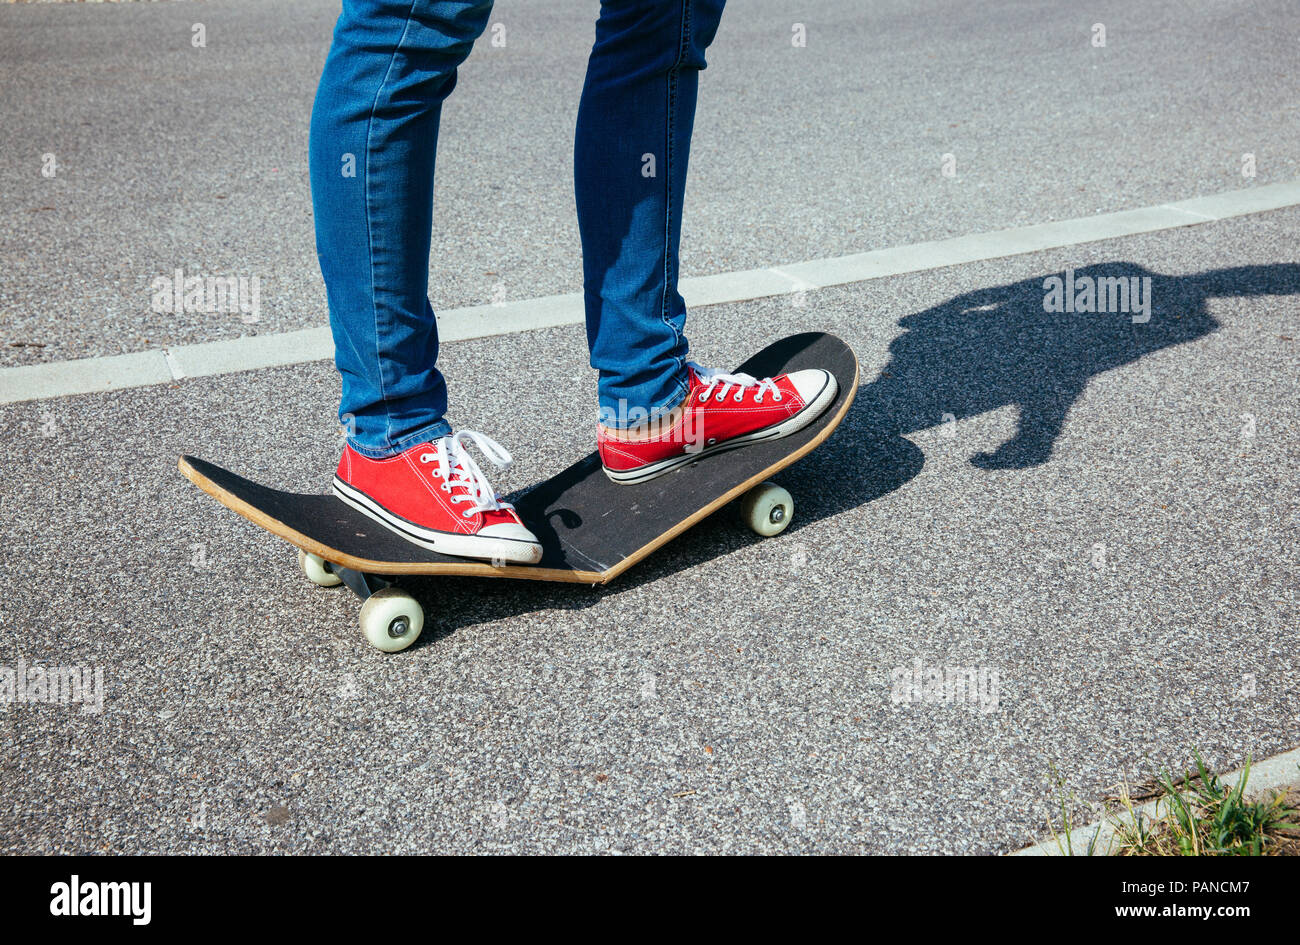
985	350
997	347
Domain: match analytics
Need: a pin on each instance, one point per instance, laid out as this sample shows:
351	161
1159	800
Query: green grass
1209	819
1064	799
1196	815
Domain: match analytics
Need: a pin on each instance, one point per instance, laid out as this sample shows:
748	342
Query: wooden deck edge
522	572
334	556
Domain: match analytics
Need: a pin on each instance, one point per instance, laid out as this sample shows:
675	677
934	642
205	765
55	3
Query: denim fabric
374	134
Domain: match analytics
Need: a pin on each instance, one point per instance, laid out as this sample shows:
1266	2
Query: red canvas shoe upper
718	407
438	488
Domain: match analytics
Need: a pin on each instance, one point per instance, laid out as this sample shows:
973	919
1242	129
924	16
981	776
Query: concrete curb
1270	774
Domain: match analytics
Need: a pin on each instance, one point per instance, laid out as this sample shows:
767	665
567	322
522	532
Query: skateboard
591	529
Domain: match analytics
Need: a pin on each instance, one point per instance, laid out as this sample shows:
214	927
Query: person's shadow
1000	347
981	351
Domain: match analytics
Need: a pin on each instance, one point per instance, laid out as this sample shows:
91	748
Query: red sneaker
721	412
435	496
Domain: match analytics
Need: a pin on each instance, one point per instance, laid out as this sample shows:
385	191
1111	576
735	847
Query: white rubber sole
487	548
814	409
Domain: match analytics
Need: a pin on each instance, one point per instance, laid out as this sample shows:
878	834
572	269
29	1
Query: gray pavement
1108	522
173	157
756	674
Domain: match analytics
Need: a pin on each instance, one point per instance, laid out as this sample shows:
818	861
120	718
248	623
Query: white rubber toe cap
816	387
517	543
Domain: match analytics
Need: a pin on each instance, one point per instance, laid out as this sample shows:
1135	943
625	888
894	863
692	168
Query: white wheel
391	619
767	509
314	567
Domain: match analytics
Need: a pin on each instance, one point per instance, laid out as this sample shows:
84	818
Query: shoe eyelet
777	397
446	487
427	458
758	400
738	398
468	513
712	440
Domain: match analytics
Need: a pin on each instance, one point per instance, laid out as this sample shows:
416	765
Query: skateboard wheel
317	572
391	619
767	509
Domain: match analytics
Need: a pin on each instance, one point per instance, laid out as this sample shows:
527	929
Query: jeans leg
630	155
374	135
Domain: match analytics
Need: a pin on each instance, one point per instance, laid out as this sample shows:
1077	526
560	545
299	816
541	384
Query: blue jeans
374	134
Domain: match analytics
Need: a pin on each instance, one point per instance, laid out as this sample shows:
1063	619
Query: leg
630	155
374	133
657	411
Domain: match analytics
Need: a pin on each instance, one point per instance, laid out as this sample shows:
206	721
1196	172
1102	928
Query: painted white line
87	376
1268	775
796	284
250	353
90	375
733	287
1192	213
484	321
173	365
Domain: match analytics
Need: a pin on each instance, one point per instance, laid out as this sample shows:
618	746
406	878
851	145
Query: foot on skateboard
721	412
434	495
590	529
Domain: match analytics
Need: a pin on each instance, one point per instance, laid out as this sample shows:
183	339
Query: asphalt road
169	156
1108	522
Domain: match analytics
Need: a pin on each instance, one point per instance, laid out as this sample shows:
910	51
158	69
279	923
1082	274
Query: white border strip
1269	775
93	375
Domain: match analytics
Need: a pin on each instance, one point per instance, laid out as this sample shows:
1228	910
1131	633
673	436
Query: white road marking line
1199	216
93	375
86	376
178	373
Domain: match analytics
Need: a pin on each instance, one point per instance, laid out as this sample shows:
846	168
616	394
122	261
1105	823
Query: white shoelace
742	382
457	469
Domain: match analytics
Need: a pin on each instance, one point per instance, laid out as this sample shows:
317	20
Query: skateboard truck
362	584
391	619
